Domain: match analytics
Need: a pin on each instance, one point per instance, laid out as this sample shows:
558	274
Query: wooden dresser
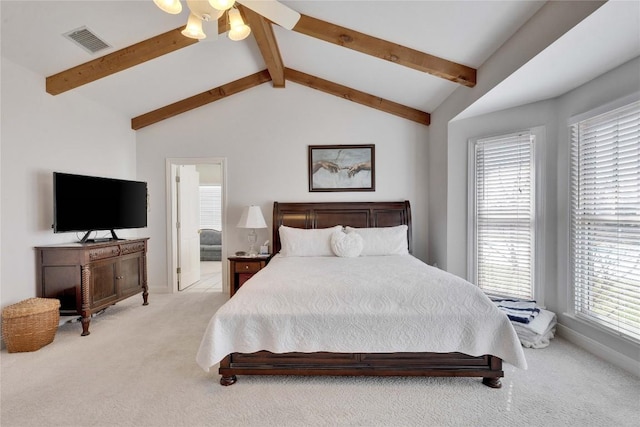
88	277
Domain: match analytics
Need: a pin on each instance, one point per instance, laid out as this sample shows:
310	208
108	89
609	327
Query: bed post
492	382
226	379
495	363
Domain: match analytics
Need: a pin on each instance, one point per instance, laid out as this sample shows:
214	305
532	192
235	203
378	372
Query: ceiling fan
211	10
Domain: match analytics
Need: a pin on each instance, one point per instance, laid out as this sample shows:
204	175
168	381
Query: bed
308	315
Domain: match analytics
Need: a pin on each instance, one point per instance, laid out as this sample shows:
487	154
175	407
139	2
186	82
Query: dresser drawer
247	267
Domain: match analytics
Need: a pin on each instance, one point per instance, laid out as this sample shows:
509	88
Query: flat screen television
84	203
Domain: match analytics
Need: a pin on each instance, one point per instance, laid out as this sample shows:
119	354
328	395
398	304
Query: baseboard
602	351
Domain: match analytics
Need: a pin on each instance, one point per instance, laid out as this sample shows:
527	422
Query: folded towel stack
521	311
534	325
538	332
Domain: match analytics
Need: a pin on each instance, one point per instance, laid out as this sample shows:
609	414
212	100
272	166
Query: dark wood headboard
354	214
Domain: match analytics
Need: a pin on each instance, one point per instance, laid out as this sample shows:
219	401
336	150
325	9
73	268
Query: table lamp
252	218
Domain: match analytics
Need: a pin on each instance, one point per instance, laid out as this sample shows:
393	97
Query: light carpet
137	368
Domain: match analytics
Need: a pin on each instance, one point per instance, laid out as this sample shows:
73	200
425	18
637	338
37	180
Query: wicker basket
30	324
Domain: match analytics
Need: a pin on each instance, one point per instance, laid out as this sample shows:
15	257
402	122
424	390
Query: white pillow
383	240
306	242
346	245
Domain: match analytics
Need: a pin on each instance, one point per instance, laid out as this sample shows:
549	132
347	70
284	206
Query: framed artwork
342	168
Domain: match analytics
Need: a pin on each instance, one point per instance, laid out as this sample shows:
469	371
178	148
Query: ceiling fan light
222	4
239	30
239	33
193	30
170	6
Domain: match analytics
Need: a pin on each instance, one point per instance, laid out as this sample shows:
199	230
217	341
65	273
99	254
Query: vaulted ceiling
402	57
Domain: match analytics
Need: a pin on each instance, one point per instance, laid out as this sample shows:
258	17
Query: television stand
89	277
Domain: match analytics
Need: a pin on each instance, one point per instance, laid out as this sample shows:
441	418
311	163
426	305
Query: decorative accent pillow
346	245
306	242
383	240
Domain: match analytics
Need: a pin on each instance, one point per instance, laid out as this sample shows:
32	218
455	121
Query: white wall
609	87
263	133
554	115
504	122
448	160
41	134
552	21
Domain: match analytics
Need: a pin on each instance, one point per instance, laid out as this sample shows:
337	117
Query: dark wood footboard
359	364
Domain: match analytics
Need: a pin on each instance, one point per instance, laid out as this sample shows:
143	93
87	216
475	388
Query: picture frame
342	168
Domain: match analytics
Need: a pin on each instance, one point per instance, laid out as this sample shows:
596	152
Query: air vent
84	38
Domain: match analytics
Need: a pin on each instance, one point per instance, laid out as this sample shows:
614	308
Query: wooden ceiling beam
117	61
295	76
263	33
357	96
223	24
386	50
199	100
122	59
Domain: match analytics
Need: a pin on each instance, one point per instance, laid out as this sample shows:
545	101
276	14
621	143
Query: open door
187	245
188	225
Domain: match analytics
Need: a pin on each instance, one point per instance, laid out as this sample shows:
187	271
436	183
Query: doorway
196	213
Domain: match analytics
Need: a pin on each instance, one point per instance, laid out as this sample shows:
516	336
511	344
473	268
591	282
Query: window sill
608	332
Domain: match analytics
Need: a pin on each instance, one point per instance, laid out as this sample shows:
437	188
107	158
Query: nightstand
241	269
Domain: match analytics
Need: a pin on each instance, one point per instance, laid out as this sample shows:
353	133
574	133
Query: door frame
171	162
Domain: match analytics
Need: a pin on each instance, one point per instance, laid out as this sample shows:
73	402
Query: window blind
605	219
505	215
211	207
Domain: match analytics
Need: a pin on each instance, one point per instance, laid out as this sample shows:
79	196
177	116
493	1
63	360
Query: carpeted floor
137	368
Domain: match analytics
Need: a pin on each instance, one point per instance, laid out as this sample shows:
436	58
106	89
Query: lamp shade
252	218
170	6
193	29
221	4
239	30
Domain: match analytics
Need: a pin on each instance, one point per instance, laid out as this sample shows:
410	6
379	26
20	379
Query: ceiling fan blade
274	11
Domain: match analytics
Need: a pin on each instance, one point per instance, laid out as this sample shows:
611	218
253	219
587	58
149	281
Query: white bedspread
358	305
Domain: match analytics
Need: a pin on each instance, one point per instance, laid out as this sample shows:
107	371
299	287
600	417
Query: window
502	219
605	219
211	207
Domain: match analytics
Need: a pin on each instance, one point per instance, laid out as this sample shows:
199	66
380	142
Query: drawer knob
246	267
